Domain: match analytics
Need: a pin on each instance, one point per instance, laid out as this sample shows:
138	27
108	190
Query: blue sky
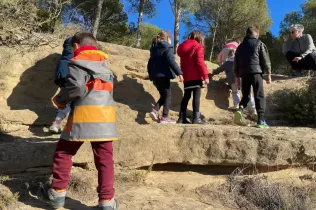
165	20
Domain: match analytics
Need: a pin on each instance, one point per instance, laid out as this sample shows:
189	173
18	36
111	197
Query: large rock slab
218	145
18	154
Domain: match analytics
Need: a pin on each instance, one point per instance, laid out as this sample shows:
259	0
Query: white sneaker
154	115
55	128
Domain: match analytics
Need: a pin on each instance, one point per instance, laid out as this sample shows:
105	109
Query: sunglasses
292	32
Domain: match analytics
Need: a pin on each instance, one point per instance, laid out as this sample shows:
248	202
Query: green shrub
298	106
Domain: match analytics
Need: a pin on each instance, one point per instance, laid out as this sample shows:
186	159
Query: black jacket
162	62
252	57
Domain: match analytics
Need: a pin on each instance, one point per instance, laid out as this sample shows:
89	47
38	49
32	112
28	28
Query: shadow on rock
132	93
34	93
28	188
218	91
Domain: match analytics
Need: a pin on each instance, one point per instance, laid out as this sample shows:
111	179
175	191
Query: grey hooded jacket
303	45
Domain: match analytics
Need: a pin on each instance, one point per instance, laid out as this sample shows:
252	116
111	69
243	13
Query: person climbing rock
251	62
162	67
300	52
89	88
223	55
228	68
195	72
60	78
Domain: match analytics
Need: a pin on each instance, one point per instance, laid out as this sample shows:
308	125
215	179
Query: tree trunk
97	18
140	20
213	41
177	15
215	27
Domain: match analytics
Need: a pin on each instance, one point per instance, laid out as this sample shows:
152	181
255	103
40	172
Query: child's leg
159	103
259	95
62	113
103	158
185	100
246	82
196	99
251	106
235	94
62	163
167	98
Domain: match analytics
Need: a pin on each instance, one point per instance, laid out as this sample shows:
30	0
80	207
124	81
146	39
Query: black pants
163	86
256	81
196	99
307	63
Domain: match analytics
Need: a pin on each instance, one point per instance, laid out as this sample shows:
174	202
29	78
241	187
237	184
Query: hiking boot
55	128
50	196
239	117
111	205
197	119
167	120
183	118
154	115
262	124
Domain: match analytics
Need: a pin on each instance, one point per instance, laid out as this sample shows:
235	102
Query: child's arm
149	68
200	64
75	86
218	70
172	63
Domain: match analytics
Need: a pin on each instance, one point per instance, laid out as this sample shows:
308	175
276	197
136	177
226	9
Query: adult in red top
194	70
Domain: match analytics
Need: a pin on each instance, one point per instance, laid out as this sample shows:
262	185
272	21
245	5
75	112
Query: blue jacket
162	62
62	66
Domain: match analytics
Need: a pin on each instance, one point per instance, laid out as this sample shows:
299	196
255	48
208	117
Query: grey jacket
228	67
303	45
89	88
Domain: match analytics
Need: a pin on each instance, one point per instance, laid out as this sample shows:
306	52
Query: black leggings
256	82
307	63
163	86
196	99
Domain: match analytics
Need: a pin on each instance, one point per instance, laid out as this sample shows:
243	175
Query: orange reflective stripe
97	84
94	114
94	140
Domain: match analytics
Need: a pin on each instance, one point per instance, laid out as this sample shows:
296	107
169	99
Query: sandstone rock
20	154
29	87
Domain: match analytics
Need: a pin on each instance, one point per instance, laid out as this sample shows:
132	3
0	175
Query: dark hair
83	39
252	30
197	36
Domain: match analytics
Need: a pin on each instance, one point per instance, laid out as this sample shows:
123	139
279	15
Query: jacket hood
188	47
250	37
160	48
95	64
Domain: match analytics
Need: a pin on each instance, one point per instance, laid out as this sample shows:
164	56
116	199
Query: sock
58	120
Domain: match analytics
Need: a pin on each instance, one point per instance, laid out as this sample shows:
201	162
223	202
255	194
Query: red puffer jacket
192	61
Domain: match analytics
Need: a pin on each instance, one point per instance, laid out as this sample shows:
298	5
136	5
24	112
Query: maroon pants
103	159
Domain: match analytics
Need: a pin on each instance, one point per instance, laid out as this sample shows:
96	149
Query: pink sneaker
167	120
